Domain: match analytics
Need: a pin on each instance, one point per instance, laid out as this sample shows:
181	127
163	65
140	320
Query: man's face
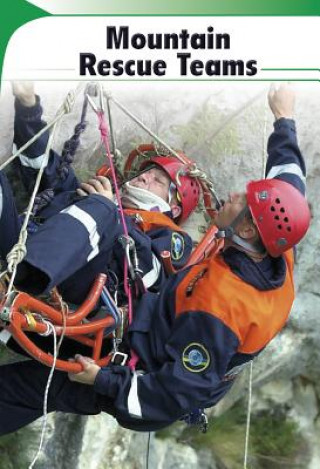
154	180
232	207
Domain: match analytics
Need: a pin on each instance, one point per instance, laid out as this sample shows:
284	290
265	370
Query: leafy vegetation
274	440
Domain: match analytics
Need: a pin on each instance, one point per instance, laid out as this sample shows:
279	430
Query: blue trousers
22	394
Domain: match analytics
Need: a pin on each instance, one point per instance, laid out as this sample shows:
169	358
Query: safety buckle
119	358
203	422
128	245
6	307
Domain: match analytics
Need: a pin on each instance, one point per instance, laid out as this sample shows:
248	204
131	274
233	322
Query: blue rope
70	147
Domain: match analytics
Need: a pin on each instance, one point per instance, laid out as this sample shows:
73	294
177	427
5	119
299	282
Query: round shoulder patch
177	246
195	358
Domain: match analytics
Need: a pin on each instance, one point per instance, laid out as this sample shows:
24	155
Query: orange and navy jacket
207	323
194	338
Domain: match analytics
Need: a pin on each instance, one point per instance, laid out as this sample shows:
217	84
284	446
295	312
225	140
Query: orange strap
152	220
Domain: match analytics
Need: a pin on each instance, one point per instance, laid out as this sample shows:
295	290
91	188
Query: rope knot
63	171
79	128
42	200
103	126
18	252
69	102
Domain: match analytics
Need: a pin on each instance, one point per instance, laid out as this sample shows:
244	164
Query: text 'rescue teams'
183	43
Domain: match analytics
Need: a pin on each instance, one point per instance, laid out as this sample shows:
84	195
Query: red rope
103	127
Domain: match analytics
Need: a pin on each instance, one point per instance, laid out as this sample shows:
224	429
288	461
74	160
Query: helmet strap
172	192
229	233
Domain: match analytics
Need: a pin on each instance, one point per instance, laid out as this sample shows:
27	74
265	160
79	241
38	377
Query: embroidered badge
177	246
195	358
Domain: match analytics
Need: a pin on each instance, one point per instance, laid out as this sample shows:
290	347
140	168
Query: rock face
287	375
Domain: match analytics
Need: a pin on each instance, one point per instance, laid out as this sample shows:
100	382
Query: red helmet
280	212
188	187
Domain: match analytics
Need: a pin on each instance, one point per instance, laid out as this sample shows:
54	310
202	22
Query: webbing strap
103	127
67	157
229	233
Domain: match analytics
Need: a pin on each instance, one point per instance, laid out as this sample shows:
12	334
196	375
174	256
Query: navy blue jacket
78	237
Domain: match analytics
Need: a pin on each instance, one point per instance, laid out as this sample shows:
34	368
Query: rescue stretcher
22	314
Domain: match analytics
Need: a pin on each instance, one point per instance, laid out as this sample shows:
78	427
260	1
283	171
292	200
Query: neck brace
144	200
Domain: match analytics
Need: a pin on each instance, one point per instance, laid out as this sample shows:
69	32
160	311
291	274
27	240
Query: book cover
193	77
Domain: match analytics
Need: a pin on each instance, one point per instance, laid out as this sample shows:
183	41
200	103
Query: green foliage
274	440
198	134
225	437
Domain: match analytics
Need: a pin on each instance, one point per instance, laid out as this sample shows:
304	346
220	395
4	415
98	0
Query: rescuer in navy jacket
207	323
73	243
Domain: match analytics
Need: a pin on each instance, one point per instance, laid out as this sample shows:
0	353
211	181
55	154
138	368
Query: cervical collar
144	200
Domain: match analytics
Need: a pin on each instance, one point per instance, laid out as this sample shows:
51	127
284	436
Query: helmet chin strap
145	200
229	233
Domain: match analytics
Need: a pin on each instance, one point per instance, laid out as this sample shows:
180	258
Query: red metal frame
209	203
90	333
208	246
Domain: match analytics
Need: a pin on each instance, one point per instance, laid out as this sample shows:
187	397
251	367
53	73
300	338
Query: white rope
246	448
46	393
195	172
19	250
264	159
64	109
264	143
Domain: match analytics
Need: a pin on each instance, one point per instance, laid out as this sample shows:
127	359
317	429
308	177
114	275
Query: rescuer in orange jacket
208	322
